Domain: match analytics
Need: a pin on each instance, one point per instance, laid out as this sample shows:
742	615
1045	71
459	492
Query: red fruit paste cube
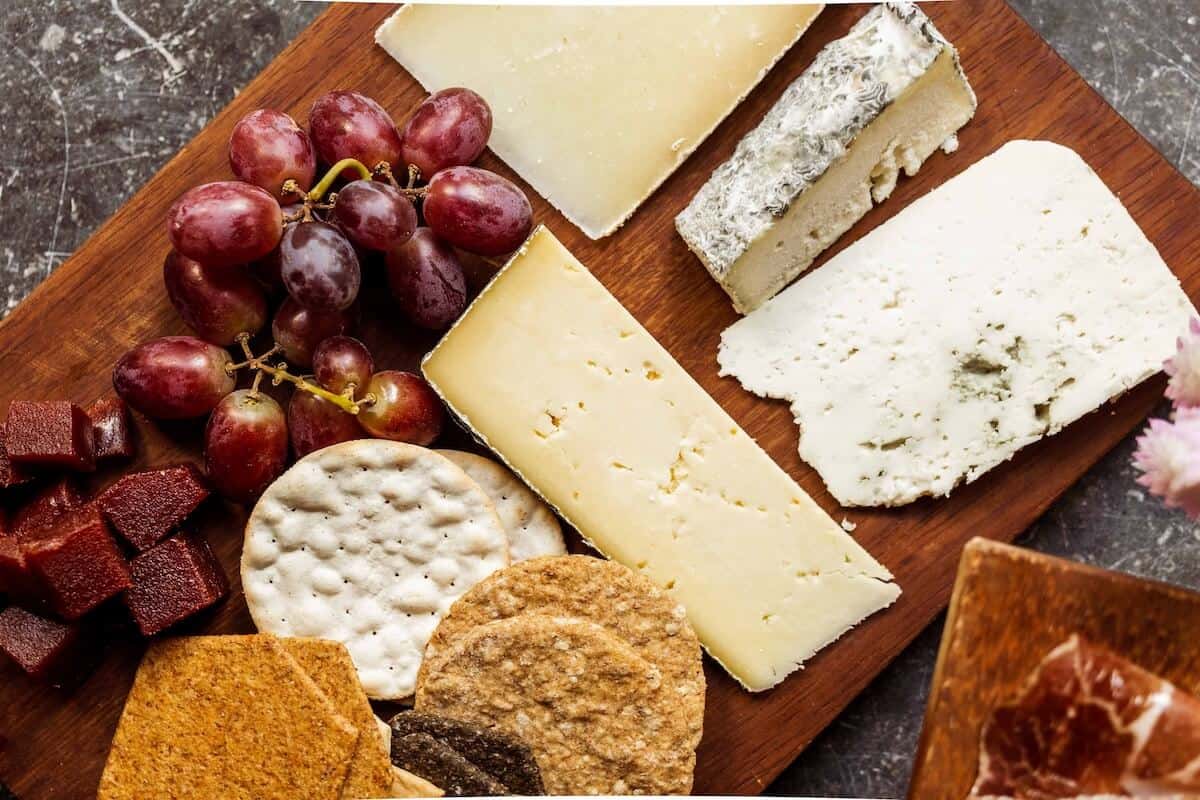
146	506
47	650
10	474
112	435
50	433
46	506
172	581
17	581
78	562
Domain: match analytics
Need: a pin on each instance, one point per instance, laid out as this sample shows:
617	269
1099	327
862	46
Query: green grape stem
279	374
317	192
315	197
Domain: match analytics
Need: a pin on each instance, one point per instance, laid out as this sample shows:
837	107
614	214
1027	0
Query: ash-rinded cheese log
613	432
596	106
879	100
997	309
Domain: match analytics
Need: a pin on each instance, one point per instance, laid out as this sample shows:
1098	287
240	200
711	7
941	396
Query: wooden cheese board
1000	626
63	341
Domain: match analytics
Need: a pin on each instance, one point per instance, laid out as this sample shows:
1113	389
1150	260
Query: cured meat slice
1089	722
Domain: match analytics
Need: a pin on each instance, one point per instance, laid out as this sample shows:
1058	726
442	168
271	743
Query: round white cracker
369	543
532	528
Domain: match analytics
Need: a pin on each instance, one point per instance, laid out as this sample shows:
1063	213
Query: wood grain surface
63	340
1010	608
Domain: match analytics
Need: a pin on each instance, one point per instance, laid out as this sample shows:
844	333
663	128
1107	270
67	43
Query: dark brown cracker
441	765
328	664
233	717
506	758
599	718
605	592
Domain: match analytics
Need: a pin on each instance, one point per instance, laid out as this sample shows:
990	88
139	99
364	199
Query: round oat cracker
369	543
604	592
598	717
532	528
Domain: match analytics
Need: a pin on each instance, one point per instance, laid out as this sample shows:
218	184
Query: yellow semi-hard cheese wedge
581	401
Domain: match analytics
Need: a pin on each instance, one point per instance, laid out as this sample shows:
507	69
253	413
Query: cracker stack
589	663
247	717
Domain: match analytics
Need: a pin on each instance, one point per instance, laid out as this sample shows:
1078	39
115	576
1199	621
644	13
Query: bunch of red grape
277	229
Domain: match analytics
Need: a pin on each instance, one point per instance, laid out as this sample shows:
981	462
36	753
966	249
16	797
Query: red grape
245	445
175	377
266	270
319	267
406	409
298	330
314	422
340	361
450	129
374	215
351	125
225	223
427	281
217	303
477	210
267	148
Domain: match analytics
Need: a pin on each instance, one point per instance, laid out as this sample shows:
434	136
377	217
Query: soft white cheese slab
595	106
551	372
995	310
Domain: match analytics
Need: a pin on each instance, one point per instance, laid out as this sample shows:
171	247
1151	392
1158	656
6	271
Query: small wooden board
1010	608
63	341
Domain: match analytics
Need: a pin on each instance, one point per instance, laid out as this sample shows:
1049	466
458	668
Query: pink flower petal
1183	387
1168	455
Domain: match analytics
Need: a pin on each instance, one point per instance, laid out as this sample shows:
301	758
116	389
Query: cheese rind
1009	302
879	100
551	372
595	106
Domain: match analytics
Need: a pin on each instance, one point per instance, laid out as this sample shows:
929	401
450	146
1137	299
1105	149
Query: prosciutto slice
1089	722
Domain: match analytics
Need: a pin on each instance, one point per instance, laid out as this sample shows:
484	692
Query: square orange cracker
328	664
233	717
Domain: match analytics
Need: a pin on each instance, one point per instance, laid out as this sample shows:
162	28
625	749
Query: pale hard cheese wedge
369	543
877	101
596	106
620	439
1004	305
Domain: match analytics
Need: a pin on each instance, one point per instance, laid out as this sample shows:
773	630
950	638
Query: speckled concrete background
97	94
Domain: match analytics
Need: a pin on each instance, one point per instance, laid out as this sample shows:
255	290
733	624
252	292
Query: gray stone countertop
98	94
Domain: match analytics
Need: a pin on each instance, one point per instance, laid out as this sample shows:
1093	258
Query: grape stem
314	197
411	191
279	374
317	192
